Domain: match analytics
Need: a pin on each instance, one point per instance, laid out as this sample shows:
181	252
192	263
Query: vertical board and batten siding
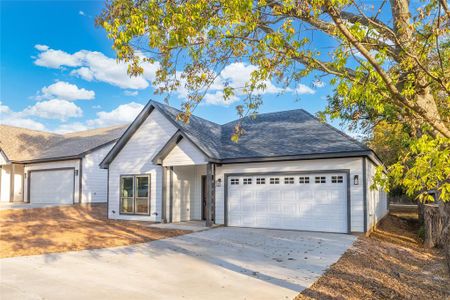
354	165
187	193
18	183
185	154
377	206
5	183
94	179
136	158
74	163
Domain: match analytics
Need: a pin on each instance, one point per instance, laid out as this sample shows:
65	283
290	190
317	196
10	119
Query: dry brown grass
70	228
390	264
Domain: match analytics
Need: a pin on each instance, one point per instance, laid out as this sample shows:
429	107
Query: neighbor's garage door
52	186
316	202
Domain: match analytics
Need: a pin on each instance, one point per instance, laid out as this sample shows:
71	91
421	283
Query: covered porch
188	194
188	183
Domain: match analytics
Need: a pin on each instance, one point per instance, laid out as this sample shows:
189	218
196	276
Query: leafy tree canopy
389	63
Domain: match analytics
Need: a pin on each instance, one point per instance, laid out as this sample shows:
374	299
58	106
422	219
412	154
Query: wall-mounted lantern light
76	172
356	180
219	182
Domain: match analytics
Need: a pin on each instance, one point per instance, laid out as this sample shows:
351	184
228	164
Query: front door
204	192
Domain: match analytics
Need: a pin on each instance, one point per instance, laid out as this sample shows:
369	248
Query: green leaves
380	73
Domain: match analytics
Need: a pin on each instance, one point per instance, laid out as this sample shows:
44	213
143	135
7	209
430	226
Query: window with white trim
247	181
260	180
274	180
320	179
288	180
337	179
303	179
234	181
135	194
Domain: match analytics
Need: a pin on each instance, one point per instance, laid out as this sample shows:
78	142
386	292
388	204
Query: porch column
170	194
164	195
209	194
11	183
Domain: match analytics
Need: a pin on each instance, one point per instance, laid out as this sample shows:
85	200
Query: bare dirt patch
390	264
70	228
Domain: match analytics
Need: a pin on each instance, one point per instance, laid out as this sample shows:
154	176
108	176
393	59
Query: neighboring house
43	167
288	171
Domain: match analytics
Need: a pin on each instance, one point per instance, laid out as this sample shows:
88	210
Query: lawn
390	264
70	228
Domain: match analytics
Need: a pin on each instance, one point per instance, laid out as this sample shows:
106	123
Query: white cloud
319	84
66	91
23	122
81	13
41	47
124	113
84	73
92	65
130	93
71	127
238	74
217	99
304	89
9	117
55	59
54	109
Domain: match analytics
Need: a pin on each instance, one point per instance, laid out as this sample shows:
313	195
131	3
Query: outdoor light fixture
219	182
76	172
356	180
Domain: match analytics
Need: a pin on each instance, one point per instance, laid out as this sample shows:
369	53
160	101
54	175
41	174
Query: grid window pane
247	181
234	181
260	181
303	179
274	180
288	180
337	179
126	187
126	205
142	206
320	179
142	185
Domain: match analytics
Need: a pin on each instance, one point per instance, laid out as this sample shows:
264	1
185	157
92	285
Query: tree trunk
444	209
437	227
433	225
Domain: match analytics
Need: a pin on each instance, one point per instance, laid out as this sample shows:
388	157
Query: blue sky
58	73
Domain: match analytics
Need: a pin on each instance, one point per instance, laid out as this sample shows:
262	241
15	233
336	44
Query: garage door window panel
274	180
320	179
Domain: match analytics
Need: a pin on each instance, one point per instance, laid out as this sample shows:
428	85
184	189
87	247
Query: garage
52	186
296	201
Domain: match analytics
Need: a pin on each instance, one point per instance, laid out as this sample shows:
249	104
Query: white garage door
52	186
314	202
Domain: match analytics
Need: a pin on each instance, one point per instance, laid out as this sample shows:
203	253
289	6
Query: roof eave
366	153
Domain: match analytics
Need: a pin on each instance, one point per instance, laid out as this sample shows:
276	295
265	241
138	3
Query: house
43	167
288	171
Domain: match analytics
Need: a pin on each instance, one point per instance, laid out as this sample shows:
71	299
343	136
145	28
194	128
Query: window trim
134	213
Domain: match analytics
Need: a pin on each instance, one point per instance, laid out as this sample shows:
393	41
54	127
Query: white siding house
46	168
166	171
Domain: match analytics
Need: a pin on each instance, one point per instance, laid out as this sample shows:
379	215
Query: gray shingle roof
286	133
20	144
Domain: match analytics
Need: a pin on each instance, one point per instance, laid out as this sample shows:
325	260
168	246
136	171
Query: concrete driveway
222	263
